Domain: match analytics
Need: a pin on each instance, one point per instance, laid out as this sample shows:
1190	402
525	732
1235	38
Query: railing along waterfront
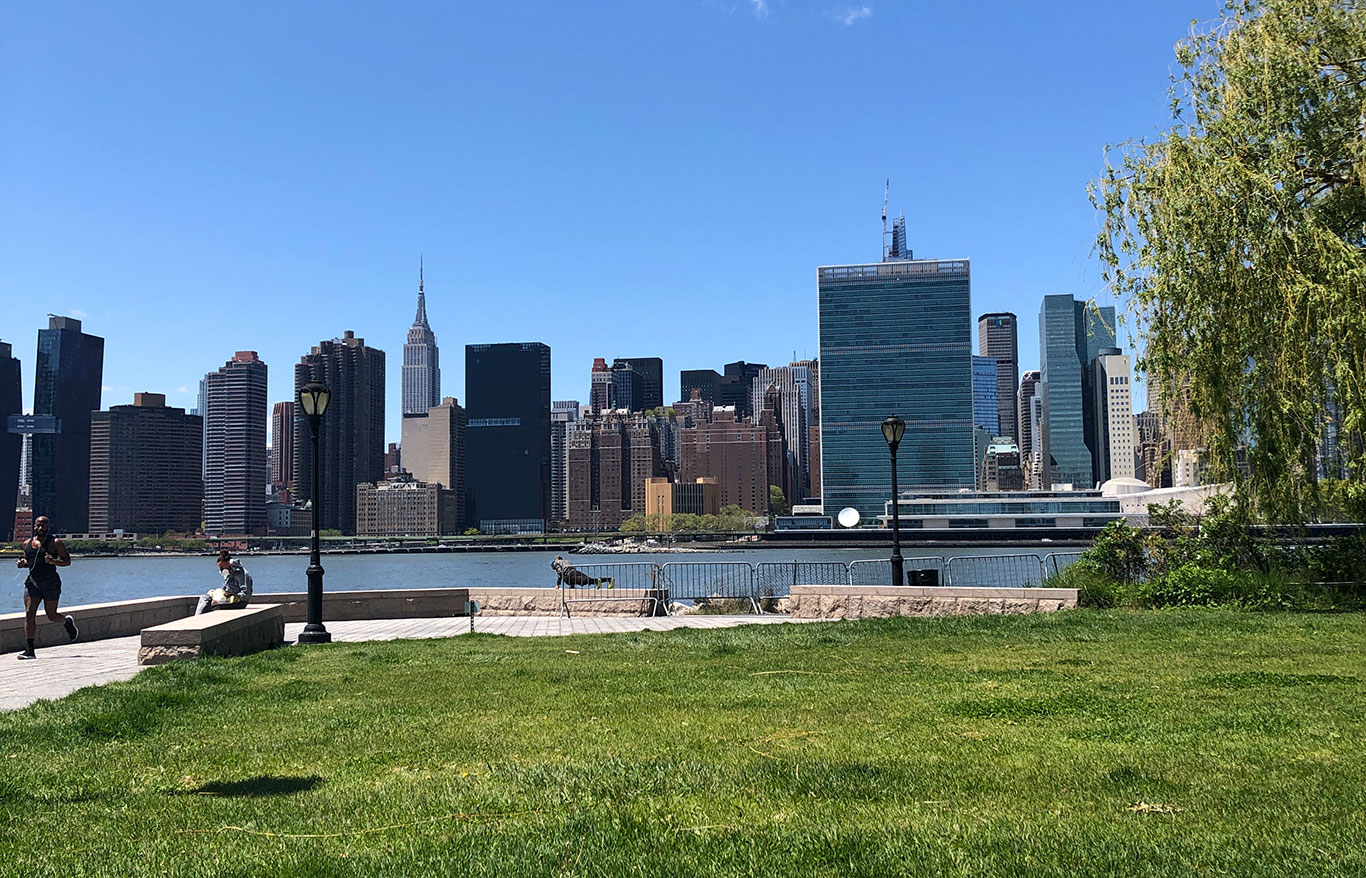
759	587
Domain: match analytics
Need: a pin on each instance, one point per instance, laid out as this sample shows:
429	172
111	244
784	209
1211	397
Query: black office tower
736	386
66	388
11	444
507	436
351	433
651	371
707	382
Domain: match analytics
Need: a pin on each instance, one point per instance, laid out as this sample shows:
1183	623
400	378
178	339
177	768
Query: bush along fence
735	586
1216	560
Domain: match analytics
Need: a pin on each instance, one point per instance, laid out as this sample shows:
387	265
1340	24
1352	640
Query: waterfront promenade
61	670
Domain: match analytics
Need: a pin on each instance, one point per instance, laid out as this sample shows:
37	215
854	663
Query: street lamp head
892	430
313	399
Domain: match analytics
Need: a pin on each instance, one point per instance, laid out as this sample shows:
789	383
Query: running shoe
71	630
27	654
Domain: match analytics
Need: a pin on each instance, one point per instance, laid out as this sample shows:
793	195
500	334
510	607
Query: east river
98	580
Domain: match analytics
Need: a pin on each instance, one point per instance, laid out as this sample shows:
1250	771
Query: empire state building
421	362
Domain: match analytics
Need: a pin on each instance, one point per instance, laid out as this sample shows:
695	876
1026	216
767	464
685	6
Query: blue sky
615	179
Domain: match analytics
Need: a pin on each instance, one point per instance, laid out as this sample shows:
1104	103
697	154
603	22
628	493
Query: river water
98	580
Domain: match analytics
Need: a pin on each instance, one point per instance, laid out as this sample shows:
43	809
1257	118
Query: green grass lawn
1193	742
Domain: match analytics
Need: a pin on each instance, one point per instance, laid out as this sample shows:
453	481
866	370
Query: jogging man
43	554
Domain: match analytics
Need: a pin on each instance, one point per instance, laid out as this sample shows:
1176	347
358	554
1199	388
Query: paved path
61	670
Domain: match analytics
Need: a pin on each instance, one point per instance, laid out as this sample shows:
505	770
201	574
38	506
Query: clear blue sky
614	179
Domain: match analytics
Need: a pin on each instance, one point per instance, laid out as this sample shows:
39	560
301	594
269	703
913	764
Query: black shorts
43	591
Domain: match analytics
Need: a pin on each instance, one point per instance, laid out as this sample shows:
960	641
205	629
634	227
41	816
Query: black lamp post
313	399
892	430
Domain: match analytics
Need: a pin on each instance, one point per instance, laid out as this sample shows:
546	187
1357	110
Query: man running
43	554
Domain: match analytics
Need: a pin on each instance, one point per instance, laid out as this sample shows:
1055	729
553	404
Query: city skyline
214	219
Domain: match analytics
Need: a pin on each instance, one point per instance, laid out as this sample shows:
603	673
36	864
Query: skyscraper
11	444
628	387
562	414
145	468
1071	334
792	384
998	337
736	386
67	379
985	411
282	444
434	453
651	372
609	460
744	457
1029	386
895	338
707	382
235	426
1114	422
351	432
507	389
421	361
601	390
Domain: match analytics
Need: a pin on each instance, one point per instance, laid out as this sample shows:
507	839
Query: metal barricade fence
776	578
996	571
589	585
1056	562
773	580
877	571
926	571
710	580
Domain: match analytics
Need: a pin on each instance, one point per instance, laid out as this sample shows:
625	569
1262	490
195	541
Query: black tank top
39	570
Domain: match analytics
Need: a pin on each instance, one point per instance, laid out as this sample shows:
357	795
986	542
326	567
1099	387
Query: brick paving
61	670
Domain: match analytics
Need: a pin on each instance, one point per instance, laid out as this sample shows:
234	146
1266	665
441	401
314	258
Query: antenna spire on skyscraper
886	190
421	318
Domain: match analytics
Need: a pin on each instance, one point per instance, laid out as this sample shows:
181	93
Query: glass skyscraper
1071	335
507	436
895	338
67	380
986	413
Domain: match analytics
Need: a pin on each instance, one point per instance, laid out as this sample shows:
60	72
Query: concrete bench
218	632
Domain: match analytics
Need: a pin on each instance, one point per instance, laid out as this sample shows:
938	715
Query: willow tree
1235	240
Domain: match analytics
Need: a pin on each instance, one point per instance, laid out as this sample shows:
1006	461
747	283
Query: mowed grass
1192	742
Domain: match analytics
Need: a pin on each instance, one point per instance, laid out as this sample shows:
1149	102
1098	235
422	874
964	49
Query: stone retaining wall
876	601
97	621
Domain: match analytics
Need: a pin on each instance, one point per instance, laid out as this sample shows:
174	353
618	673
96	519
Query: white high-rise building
421	361
1114	426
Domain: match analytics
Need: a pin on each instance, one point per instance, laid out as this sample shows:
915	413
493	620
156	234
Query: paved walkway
61	670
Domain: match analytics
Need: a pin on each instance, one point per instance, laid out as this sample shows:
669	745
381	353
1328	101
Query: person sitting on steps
569	576
236	589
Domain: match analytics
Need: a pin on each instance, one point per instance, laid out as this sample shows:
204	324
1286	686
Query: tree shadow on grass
253	787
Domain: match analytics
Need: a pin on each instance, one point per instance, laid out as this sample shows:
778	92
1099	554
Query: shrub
1188	586
1120	552
1095	587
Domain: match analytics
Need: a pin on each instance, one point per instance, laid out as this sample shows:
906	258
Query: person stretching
43	554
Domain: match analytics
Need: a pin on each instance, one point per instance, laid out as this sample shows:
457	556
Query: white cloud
78	314
182	390
851	15
760	8
105	388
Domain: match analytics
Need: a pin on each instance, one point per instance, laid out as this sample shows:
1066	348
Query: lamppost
313	399
892	430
